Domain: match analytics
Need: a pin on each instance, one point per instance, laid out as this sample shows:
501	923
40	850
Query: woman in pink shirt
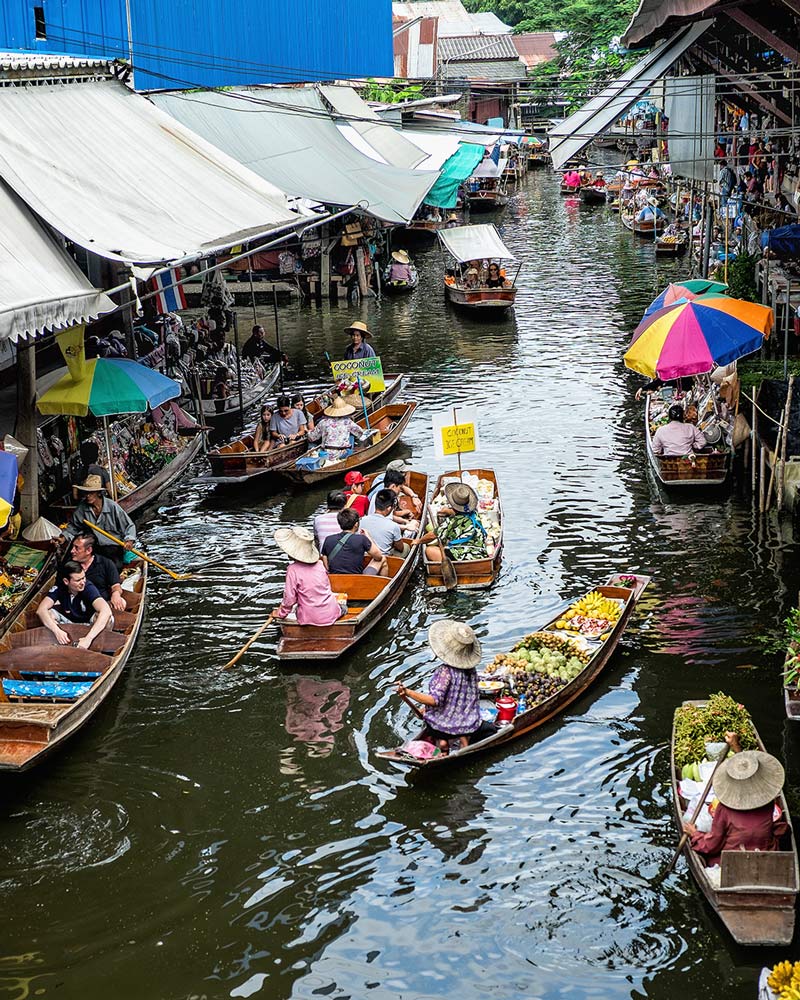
307	590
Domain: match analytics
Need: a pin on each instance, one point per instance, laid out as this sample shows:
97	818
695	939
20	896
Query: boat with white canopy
487	188
477	279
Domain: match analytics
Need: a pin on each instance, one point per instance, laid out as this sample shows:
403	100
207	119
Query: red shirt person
356	493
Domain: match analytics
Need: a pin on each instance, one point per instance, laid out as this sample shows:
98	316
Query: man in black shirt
344	551
99	569
256	348
74	599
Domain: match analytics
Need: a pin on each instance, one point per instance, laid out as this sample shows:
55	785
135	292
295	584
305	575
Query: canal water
231	834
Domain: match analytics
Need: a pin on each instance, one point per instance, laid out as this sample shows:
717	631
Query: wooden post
361	271
240	421
753	445
762	468
782	470
324	266
25	429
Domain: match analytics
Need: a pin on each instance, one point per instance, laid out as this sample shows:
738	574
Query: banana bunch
784	980
594	605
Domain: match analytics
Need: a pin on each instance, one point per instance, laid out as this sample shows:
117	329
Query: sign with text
455	432
369	368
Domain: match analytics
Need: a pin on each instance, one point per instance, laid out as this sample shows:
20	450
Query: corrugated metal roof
489	24
498	69
535	47
479	47
454	18
35	65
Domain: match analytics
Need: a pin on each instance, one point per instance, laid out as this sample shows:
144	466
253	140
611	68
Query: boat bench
107	642
759	870
52	660
360	590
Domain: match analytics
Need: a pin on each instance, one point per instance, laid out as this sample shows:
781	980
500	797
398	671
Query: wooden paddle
411	704
141	555
695	814
249	642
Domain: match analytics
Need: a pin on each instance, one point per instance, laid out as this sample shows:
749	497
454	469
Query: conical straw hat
455	644
749	780
339	408
41	530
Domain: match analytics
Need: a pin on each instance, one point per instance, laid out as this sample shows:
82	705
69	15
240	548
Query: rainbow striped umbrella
110	386
690	338
689	289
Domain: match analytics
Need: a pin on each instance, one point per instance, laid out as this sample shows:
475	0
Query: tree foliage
391	93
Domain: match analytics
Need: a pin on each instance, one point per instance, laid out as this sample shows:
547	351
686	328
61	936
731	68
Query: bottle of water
522	703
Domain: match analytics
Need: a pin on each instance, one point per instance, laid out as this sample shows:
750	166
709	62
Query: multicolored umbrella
689	289
690	338
110	386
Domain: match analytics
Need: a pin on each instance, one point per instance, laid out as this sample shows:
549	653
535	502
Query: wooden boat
236	462
591	195
472	574
369	599
401	287
707	469
218	412
538	714
48	692
151	488
648	229
480	297
25	571
482	242
758	889
567	191
486	194
424	230
672	246
791	692
391	420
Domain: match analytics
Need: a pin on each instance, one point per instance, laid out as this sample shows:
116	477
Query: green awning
455	170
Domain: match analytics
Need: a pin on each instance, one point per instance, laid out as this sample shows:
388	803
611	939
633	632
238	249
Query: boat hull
487	201
592	196
673	472
232	411
648	230
488	299
150	490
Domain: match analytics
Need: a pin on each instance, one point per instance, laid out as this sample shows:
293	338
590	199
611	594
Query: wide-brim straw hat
358	326
92	484
339	408
400	465
401	257
454	644
297	543
749	780
461	497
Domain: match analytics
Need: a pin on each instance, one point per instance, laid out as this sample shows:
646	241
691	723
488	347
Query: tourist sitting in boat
400	267
256	348
495	279
599	180
307	593
299	403
106	514
73	600
358	346
326	523
395	481
99	570
452	704
287	424
336	431
452	221
344	551
396	465
746	818
381	527
262	438
678	438
356	496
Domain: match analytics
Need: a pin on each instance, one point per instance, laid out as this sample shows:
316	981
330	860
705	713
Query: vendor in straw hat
307	591
746	786
95	506
400	268
358	346
452	704
335	429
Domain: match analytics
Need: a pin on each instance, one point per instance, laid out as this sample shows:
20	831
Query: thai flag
171	296
495	154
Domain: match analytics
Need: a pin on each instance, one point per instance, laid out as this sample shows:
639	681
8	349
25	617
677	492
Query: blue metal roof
213	43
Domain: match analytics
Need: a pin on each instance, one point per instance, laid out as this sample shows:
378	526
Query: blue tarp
782	242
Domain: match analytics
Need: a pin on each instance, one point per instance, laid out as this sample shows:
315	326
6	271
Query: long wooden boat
236	462
591	195
488	199
471	574
648	229
25	572
568	191
369	599
672	246
480	298
756	897
707	469
542	712
48	692
391	420
221	411
151	488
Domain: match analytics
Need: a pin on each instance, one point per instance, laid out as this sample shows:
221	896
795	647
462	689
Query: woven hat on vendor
92	484
749	780
400	465
462	498
338	408
297	543
401	257
455	644
358	327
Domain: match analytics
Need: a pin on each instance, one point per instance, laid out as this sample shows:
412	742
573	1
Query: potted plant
791	666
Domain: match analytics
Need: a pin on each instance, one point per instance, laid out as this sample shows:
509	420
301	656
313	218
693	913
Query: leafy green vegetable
695	726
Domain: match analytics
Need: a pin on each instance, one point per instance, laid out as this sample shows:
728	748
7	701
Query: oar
412	705
449	575
249	642
695	814
141	555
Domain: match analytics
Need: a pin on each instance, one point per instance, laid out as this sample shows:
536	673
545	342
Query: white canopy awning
475	243
41	287
287	136
569	137
104	167
488	168
389	142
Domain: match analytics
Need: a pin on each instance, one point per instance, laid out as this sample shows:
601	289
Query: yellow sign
458	438
370	369
73	348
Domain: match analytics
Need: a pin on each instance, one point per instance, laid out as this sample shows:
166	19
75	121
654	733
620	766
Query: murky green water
231	834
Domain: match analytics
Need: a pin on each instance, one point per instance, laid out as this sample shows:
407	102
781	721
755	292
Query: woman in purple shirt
452	704
307	590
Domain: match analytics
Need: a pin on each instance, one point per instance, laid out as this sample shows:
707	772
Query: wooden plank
758	868
52	658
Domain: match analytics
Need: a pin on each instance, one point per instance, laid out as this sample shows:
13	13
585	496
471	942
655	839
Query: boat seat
132	601
358	587
237	446
52	658
762	869
123	620
107	642
45	690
